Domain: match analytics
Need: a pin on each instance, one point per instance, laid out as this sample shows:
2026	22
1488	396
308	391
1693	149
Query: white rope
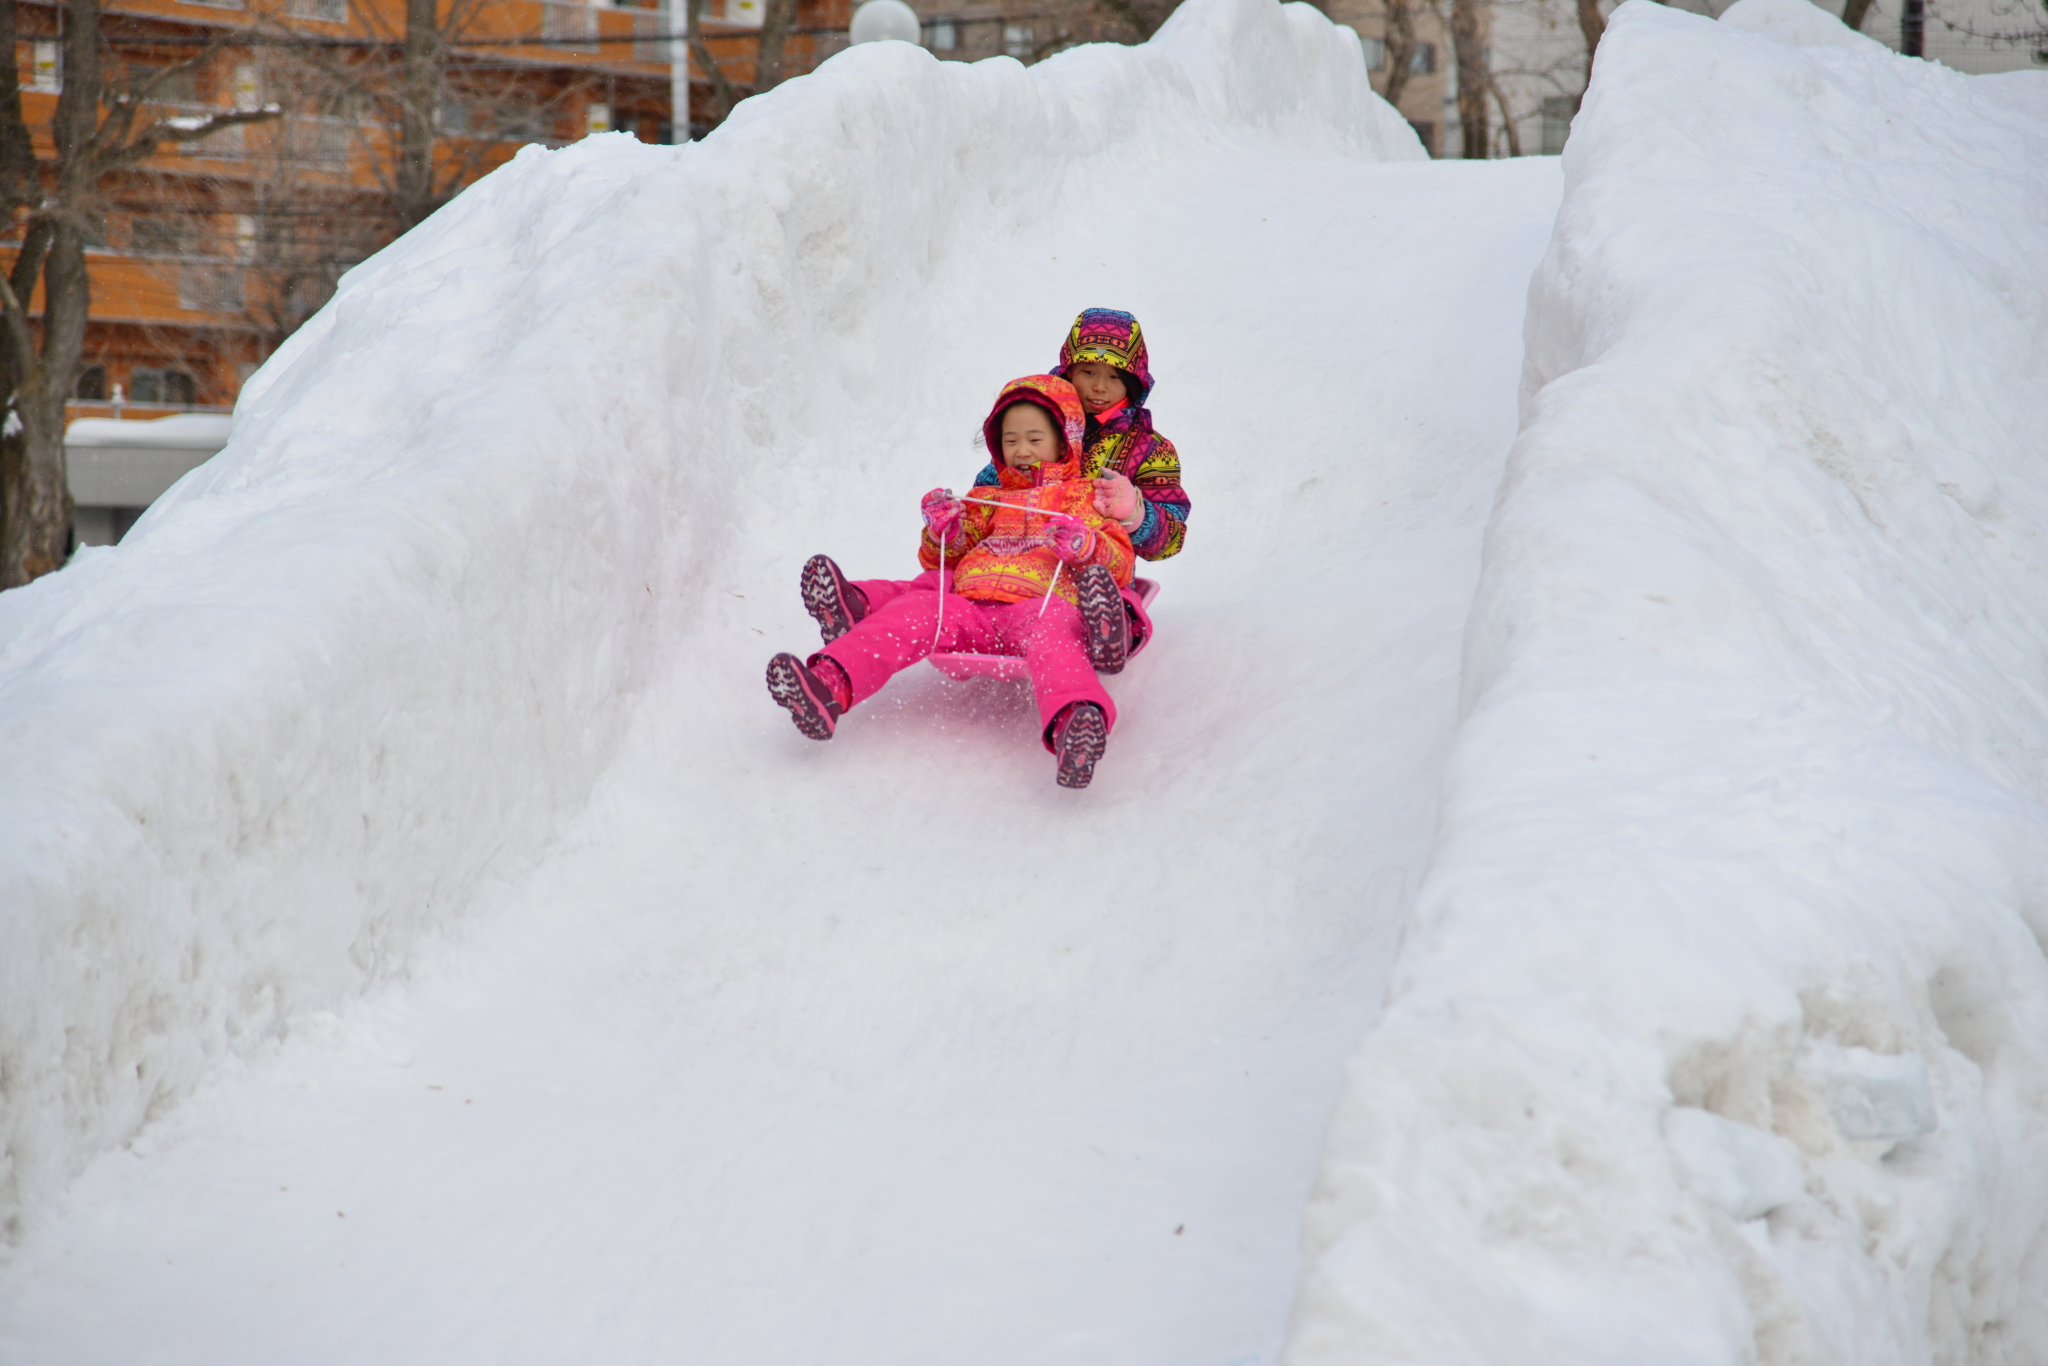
1043	603
939	626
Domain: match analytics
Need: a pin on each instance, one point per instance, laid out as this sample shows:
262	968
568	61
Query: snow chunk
1873	1096
1745	1172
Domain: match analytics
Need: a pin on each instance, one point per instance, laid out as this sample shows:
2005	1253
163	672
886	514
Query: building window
210	289
92	385
1557	123
1423	63
160	235
1017	40
1375	53
945	36
172	84
171	387
327	11
571	26
48	75
523	125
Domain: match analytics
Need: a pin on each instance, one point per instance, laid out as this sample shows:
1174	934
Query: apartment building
210	253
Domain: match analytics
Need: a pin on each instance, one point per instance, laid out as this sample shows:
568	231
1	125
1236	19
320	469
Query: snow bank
1720	1032
371	655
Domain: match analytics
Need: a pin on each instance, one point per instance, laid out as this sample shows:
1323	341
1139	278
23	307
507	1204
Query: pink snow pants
879	592
897	634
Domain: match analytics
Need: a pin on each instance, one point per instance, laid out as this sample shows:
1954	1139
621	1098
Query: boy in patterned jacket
1026	565
1136	472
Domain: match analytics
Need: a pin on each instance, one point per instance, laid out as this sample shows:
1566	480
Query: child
1025	561
1137	474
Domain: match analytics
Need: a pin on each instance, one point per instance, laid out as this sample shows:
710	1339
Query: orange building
211	252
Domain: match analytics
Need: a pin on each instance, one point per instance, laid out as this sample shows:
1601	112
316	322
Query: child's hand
1117	498
1073	540
942	512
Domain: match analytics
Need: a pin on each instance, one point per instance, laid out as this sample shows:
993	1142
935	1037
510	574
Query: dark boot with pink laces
1102	612
807	693
835	603
1079	736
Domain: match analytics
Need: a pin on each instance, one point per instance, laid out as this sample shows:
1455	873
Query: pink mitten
942	513
1117	499
1072	540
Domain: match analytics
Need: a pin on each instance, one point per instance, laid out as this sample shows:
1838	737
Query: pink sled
965	666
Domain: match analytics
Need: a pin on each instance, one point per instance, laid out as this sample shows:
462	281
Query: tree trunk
419	98
1854	12
1399	48
1507	116
36	536
775	24
17	150
1468	41
1593	27
722	94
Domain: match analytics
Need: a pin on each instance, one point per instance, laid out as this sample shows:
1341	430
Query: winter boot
1102	612
806	697
835	603
1078	738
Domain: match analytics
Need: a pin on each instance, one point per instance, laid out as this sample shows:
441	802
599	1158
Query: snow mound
1720	1032
371	656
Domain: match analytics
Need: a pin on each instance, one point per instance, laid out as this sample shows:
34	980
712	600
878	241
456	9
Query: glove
1072	540
1118	500
942	513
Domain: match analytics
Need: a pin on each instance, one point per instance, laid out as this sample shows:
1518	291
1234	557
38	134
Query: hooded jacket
1002	553
1125	443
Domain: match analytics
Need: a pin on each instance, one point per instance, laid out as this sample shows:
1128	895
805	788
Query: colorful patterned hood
1114	338
1049	392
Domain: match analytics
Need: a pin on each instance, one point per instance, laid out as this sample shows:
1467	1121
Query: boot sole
797	691
1082	742
824	593
1102	612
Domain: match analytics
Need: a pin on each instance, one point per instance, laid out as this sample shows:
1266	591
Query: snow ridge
371	656
1720	1032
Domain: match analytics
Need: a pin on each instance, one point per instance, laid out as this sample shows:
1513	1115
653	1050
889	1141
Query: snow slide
1720	1032
381	647
407	776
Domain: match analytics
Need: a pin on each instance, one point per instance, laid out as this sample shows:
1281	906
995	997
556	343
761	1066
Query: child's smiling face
1029	437
1098	385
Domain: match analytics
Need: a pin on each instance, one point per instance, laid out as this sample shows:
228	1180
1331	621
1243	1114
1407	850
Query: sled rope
1044	602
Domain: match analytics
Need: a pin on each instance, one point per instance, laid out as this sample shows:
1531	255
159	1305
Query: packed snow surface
546	996
423	941
1720	1030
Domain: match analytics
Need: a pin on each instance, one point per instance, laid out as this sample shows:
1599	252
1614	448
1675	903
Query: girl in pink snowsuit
1135	468
1025	563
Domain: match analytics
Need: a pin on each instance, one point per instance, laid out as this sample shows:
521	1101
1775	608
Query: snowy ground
890	1050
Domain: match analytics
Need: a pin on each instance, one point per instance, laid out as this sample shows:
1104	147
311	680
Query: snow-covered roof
182	431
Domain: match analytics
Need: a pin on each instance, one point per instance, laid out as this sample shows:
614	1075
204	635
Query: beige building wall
1423	100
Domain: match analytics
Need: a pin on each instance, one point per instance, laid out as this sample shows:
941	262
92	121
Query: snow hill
423	942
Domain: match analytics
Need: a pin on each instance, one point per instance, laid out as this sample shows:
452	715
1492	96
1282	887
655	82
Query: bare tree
776	19
1468	43
100	127
1399	48
1593	27
724	94
1854	12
